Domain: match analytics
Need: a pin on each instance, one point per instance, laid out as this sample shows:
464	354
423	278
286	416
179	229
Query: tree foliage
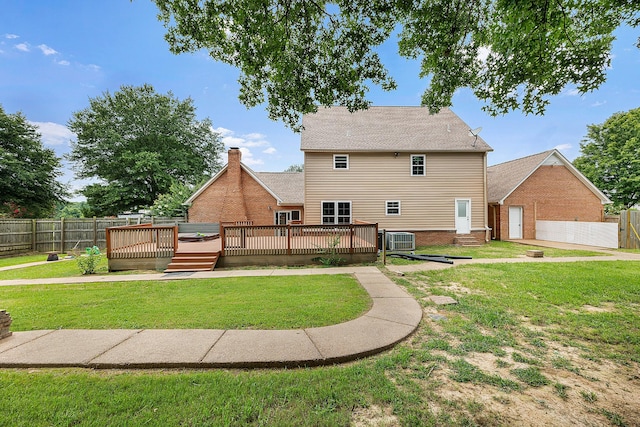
295	168
610	157
137	143
296	55
170	204
28	170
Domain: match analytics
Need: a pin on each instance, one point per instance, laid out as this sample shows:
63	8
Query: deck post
107	233
222	239
288	239
175	239
351	230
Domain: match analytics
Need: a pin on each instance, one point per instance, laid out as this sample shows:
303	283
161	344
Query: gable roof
410	129
504	178
286	187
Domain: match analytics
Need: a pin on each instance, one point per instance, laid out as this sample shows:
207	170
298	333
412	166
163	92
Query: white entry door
515	222
463	216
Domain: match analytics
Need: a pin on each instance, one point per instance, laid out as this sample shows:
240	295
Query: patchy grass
492	250
515	350
285	302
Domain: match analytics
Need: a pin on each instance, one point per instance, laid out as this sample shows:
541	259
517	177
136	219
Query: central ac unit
401	241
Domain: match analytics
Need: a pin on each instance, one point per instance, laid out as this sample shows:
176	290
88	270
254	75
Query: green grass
553	295
60	268
285	302
23	259
418	381
305	397
492	250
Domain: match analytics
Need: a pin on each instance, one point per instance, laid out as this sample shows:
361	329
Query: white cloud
223	131
11	36
563	147
23	47
54	133
571	92
246	142
47	50
63	62
598	103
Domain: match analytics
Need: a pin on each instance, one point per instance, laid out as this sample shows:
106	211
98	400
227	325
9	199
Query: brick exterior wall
551	193
236	196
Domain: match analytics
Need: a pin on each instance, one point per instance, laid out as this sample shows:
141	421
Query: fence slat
45	235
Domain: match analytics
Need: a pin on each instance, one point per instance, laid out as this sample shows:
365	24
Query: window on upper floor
336	212
341	161
392	207
418	165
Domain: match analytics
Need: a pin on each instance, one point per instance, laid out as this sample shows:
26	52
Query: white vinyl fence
603	234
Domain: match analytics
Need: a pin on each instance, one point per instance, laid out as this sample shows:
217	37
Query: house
400	167
237	194
540	187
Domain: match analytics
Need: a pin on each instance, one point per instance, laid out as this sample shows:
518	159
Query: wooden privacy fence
240	240
141	241
61	235
630	229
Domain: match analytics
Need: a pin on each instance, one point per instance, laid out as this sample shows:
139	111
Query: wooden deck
156	248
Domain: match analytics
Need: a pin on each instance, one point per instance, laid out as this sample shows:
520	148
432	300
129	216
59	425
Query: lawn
493	249
60	268
285	302
534	344
23	259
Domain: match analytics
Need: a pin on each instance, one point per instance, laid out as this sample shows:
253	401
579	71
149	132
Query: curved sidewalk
394	315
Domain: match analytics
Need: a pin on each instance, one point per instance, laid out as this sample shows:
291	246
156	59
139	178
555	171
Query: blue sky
55	55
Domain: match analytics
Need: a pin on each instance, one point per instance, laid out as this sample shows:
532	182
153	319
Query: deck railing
293	239
141	241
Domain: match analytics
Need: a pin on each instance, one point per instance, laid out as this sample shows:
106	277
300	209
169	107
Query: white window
418	165
341	161
393	207
285	217
336	212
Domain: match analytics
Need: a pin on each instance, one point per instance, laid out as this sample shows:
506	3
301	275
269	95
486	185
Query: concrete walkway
394	315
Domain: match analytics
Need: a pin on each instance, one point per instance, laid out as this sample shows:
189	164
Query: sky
55	55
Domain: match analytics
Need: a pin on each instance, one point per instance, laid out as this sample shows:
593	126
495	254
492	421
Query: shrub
88	262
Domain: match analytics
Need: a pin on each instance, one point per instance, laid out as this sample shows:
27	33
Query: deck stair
193	261
466	240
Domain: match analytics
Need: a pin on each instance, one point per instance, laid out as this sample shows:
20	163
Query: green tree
296	55
171	203
610	157
137	143
28	170
295	168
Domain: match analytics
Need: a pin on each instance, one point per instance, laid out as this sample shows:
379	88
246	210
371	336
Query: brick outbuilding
544	186
238	194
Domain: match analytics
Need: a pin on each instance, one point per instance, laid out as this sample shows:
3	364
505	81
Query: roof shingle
410	129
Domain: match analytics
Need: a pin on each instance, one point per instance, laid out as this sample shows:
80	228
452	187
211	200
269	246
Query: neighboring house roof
286	187
504	178
405	129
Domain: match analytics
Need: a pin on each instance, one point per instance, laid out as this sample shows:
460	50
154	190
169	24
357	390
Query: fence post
34	228
289	239
62	234
95	231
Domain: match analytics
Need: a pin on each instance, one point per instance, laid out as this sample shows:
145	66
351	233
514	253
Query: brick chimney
233	205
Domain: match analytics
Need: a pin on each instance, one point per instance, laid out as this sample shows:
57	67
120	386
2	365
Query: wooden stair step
192	261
